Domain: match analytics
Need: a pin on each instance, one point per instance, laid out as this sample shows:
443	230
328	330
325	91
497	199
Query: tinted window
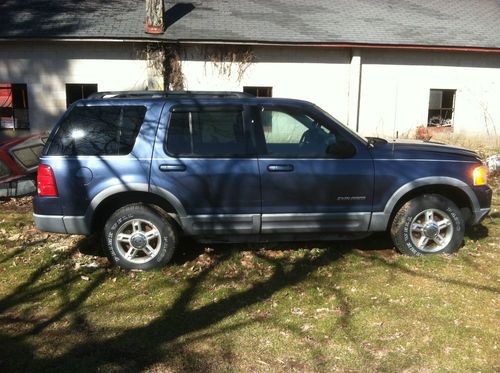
179	136
294	134
206	133
98	130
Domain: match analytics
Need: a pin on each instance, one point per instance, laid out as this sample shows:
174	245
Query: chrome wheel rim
138	241
431	230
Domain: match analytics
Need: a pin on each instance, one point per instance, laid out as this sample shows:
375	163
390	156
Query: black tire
148	252
417	221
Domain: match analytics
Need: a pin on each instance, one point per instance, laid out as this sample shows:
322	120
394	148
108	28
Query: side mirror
341	149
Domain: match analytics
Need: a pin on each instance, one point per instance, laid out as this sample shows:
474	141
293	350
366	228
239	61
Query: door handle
280	168
172	167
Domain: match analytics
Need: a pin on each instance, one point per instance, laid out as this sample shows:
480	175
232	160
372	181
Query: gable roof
443	23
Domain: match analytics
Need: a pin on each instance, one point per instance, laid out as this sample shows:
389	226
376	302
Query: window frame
250	148
23	88
442	109
15	154
257	89
81	85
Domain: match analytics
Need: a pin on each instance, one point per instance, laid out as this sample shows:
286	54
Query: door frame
303	223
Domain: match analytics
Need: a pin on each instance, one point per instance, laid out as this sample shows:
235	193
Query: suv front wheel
138	236
428	224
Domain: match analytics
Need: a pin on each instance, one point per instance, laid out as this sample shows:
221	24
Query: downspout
354	93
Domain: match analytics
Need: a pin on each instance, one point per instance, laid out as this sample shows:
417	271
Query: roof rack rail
165	94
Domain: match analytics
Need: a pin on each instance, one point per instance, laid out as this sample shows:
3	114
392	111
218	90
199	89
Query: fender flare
133	187
380	220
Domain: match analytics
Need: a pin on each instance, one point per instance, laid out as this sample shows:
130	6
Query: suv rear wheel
138	236
429	224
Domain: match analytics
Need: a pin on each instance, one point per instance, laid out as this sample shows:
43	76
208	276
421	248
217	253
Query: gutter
263	43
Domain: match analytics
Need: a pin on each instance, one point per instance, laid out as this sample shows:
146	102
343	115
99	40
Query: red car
19	158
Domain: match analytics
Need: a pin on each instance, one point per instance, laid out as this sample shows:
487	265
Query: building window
441	107
259	91
75	92
14	106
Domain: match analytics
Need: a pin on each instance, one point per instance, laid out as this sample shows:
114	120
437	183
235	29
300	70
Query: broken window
75	92
259	91
14	106
441	107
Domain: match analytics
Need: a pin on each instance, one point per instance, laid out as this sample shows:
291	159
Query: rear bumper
62	224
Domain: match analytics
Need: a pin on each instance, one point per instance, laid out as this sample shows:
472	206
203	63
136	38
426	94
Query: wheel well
458	196
107	207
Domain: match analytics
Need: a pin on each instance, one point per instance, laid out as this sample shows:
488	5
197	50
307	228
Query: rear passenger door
205	157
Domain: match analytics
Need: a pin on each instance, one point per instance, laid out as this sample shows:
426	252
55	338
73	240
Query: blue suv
146	168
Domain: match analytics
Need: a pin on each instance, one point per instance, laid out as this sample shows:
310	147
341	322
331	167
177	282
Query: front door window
294	135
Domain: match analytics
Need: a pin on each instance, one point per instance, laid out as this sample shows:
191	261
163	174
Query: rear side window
28	156
98	130
206	133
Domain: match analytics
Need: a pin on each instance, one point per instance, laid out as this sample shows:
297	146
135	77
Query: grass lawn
344	306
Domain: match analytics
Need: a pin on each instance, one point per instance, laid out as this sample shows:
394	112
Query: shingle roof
454	23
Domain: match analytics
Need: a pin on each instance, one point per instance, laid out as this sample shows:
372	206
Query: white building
379	67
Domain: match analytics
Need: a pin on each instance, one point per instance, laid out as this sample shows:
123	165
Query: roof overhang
262	43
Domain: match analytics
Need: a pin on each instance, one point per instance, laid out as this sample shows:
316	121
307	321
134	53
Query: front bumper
480	215
62	224
484	196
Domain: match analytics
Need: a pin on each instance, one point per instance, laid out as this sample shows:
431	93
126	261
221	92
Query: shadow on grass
179	325
477	232
190	249
395	266
136	348
20	249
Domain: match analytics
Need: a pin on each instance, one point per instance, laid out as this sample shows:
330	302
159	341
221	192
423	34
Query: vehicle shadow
167	338
180	321
379	244
91	245
189	249
477	232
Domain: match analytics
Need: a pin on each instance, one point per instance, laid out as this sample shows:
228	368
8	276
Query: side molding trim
316	222
221	224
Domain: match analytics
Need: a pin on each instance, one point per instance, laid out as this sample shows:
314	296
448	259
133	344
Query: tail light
46	182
